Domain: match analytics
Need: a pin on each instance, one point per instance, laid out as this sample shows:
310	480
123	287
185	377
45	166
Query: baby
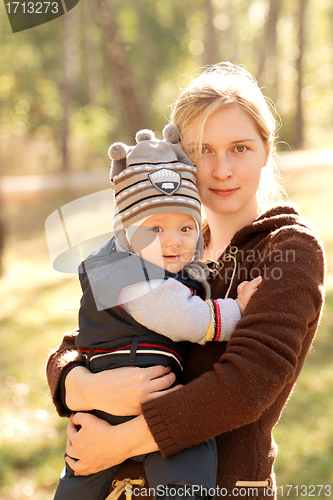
145	296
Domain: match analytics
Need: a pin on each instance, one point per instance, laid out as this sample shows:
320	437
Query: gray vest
107	333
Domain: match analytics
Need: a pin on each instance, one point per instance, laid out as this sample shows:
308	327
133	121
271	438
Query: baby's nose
174	240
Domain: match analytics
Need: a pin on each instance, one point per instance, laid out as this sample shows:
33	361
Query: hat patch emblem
165	180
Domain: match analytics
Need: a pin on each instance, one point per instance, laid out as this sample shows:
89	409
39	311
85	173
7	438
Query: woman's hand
97	445
120	391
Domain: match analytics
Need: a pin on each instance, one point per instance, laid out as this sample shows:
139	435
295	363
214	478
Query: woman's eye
204	150
240	149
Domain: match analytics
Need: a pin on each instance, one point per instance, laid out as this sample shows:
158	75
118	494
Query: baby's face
167	240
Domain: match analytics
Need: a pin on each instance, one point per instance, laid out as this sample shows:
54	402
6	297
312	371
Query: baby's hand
245	291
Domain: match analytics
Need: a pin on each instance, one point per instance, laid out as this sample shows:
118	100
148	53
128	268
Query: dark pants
194	466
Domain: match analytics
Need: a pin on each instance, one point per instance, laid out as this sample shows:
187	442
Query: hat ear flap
200	247
117	152
116	168
181	155
121	237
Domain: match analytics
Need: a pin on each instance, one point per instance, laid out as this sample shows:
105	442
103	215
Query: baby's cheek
153	252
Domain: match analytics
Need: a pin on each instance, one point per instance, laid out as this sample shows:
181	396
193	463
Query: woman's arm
262	360
94	445
98	445
120	391
60	362
263	357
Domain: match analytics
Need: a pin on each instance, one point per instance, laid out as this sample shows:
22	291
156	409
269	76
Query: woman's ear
269	147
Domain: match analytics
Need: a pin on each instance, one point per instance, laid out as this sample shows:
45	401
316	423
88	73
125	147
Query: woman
233	391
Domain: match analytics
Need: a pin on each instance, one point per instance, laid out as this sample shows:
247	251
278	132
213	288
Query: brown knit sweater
236	390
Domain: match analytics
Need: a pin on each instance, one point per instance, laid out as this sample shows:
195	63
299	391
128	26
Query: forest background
108	68
70	88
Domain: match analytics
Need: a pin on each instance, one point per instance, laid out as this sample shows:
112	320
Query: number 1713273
312	490
32	7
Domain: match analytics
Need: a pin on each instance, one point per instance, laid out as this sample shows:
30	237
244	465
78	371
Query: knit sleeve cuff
225	314
60	362
229	316
63	409
159	430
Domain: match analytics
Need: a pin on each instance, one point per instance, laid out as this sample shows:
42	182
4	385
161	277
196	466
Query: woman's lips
224	192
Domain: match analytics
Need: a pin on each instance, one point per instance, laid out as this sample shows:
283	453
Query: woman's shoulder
281	230
287	223
282	217
279	222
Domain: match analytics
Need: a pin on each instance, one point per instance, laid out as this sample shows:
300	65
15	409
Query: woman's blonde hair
222	85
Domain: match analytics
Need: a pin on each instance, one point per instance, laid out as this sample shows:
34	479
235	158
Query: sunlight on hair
226	84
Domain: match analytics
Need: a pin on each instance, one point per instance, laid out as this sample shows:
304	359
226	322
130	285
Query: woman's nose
222	168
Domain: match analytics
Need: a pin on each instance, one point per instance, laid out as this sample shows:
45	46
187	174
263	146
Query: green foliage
29	92
93	124
161	41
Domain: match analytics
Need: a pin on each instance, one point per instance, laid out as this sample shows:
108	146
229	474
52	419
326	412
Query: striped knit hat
153	177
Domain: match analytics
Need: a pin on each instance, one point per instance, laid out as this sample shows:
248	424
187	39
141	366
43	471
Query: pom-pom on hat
153	177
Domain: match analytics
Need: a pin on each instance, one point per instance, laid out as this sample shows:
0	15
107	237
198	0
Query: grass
38	305
304	433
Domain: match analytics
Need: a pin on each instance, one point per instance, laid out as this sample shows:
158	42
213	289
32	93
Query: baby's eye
157	229
240	149
186	229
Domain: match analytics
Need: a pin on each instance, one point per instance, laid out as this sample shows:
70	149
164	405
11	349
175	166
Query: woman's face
229	168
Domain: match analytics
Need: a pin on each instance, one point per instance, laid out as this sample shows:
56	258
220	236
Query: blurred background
70	88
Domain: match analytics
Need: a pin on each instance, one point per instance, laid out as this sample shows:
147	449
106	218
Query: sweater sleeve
262	358
171	310
61	360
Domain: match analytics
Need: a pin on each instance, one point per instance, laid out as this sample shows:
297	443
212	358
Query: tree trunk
2	232
268	45
92	71
147	48
2	224
299	118
232	55
211	53
70	70
121	71
331	31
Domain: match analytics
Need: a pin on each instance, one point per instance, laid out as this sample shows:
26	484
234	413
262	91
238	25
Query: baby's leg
95	486
189	474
